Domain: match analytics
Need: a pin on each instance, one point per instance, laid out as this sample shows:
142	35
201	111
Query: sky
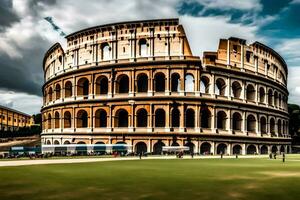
25	35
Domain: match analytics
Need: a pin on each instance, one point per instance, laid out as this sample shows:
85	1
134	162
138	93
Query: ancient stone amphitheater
138	83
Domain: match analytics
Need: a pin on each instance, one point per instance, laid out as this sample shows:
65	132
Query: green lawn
213	179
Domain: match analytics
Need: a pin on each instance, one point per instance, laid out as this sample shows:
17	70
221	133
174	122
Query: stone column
228	52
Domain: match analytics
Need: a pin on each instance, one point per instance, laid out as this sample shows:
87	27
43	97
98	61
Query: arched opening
221	120
279	100
274	149
81	148
57	91
189	118
142	118
56	142
251	149
67	119
67	142
279	130
48	142
251	123
276	98
237	150
204	85
236	89
205	117
105	51
175	82
237	121
263	125
121	118
68	89
220	87
123	84
160	118
157	148
262	95
159	81
191	147
250	93
120	147
49	121
270	97
143	48
175	144
175	118
272	127
222	148
264	149
140	148
100	118
205	148
56	120
101	85
99	148
142	83
50	94
82	119
83	87
189	83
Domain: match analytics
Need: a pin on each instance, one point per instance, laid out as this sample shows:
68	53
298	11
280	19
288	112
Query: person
140	155
236	156
270	155
192	154
283	157
275	156
221	154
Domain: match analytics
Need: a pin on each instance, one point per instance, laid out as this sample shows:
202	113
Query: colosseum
138	83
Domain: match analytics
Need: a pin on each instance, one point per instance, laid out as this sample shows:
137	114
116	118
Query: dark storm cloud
25	74
7	15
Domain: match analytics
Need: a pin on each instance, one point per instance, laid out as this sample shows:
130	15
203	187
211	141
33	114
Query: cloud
231	4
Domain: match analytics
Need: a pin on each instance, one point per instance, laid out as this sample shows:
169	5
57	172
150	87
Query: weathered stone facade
138	83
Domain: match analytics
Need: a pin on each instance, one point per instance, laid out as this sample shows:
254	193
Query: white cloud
294	85
29	104
289	48
231	4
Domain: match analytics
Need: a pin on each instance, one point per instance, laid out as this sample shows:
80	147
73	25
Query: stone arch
279	126
205	148
221	120
123	84
263	149
56	142
175	82
276	99
143	49
272	126
250	93
56	119
67	120
50	92
159	82
237	121
282	149
274	149
82	119
100	118
175	118
101	85
263	125
121	118
251	149
262	95
251	123
83	87
49	121
57	91
160	118
236	89
175	144
205	116
221	148
142	83
189	118
204	84
191	146
105	48
189	83
142	117
68	89
157	147
141	147
270	97
237	149
67	142
220	87
48	142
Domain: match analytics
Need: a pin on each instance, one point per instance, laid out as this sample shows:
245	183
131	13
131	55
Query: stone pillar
212	85
242	57
181	118
228	52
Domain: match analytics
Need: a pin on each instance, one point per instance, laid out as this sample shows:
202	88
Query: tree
294	124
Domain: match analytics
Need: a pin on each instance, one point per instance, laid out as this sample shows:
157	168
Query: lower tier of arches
156	144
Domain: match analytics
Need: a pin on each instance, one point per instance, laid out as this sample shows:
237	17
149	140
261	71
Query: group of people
274	156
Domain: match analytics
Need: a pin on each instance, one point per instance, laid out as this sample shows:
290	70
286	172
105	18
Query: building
138	83
12	120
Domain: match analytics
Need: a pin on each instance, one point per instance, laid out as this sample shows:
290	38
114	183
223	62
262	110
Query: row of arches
122	85
188	119
205	148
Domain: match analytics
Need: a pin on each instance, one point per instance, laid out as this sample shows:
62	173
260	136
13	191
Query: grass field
255	178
